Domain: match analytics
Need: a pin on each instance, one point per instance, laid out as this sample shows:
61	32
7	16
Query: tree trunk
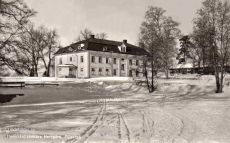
48	68
146	75
167	73
31	74
219	85
48	73
152	84
36	71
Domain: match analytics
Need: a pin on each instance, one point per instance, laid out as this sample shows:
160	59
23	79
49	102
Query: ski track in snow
148	127
93	127
126	128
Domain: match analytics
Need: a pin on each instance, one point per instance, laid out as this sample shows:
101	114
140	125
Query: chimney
92	36
125	41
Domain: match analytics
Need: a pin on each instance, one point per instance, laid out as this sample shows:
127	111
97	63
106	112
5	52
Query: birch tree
213	19
158	36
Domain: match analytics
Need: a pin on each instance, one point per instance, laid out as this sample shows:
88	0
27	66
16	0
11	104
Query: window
82	59
130	73
115	61
106	71
79	47
122	67
100	59
93	59
122	59
122	49
130	62
82	70
59	69
104	48
137	72
70	59
107	60
137	62
60	60
114	72
70	49
93	71
100	71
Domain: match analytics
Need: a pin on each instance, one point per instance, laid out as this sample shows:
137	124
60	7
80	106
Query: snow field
186	111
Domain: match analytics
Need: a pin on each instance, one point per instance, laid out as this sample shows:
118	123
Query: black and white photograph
114	71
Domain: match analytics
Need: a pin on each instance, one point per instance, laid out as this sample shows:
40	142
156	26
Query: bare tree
48	44
157	37
215	15
85	34
196	49
29	45
14	16
159	33
102	36
39	44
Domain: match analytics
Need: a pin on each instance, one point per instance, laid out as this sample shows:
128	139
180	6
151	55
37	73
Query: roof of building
100	45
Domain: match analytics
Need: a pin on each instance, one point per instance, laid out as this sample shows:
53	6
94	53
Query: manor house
99	58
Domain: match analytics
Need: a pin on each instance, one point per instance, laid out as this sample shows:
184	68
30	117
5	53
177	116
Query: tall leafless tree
14	16
48	45
213	19
158	37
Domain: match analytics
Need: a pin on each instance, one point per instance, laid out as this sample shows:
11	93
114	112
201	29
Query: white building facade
99	58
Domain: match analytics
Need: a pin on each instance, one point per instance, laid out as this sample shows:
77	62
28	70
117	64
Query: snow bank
99	79
26	79
41	79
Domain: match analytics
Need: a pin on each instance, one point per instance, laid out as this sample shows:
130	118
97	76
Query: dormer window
123	49
80	46
105	48
70	49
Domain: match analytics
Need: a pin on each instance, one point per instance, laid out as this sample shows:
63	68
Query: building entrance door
72	72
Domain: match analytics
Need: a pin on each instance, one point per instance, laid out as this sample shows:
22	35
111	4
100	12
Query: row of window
93	59
93	70
70	59
107	61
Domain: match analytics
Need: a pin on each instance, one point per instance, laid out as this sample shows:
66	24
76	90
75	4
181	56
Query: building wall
66	59
89	69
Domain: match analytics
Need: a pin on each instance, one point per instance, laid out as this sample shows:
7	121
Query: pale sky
120	19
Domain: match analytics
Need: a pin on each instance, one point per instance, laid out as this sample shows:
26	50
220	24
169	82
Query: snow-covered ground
108	111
